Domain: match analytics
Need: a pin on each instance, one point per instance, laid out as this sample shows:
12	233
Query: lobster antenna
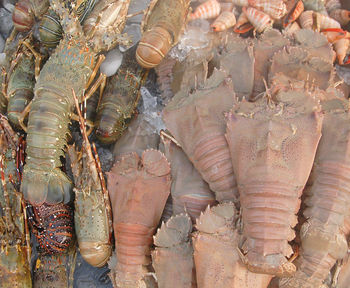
86	142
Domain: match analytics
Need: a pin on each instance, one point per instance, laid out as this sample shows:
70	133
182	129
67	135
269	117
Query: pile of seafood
232	175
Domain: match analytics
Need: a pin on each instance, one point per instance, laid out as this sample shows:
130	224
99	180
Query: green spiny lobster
73	65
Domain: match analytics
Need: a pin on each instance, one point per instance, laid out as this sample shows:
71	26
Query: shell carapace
164	22
237	60
323	235
216	257
264	48
172	258
300	64
268	139
189	192
138	189
197	122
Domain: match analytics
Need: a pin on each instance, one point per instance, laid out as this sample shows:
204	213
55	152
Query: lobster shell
189	192
138	188
162	26
173	257
53	227
323	235
196	121
264	139
216	256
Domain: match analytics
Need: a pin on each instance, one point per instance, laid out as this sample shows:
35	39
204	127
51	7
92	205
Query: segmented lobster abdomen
268	215
212	157
172	258
119	101
53	227
323	236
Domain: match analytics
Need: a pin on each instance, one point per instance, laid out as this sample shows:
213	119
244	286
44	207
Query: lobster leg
89	123
94	72
24	114
100	82
37	57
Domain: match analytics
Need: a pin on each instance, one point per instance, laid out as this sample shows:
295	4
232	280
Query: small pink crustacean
260	20
226	20
138	189
172	258
274	8
207	10
341	48
216	256
243	25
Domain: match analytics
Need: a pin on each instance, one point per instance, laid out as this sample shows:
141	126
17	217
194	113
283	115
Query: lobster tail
40	186
50	29
196	121
120	98
162	25
22	16
215	249
153	47
189	192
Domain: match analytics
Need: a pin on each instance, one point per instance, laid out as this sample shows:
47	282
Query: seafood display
224	166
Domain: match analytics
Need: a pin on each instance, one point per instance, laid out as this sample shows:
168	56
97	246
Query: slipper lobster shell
197	122
138	188
266	140
173	257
